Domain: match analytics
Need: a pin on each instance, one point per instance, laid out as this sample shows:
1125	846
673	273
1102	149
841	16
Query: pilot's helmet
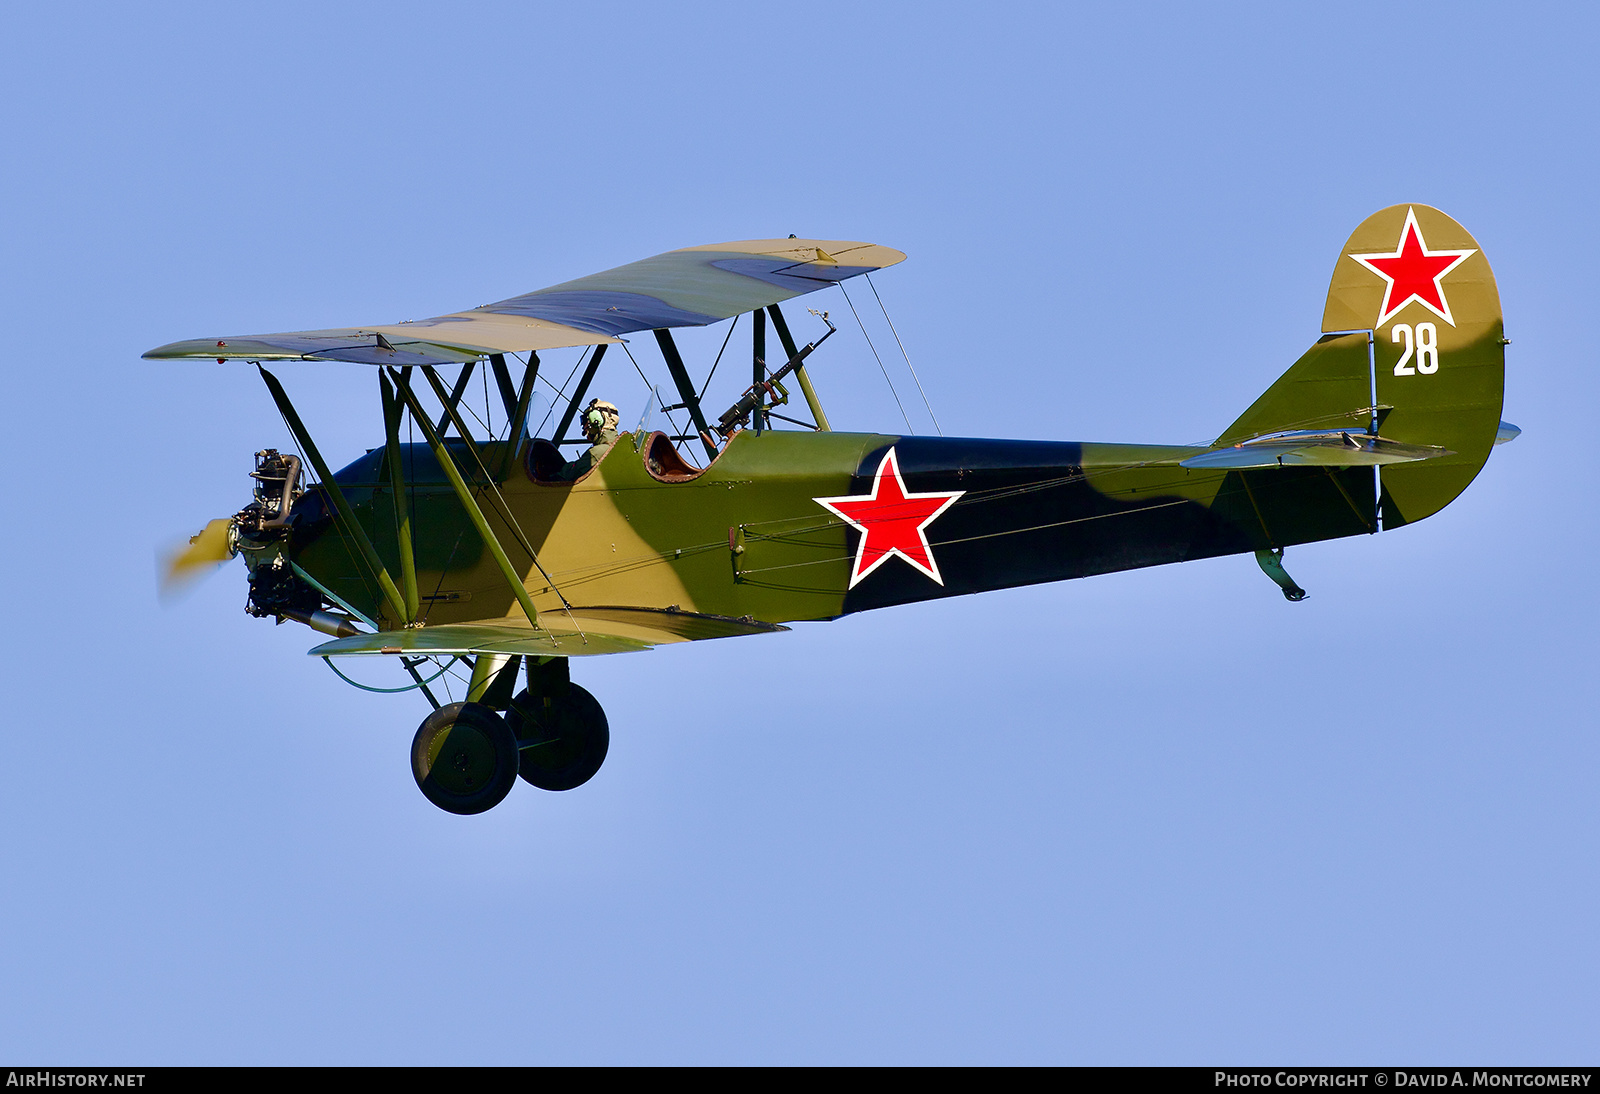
598	417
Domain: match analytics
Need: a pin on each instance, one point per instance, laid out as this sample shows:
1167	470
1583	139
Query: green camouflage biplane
499	551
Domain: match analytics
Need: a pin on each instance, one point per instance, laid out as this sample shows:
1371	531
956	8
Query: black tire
563	744
464	758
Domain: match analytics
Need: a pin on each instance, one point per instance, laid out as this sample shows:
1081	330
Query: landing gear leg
560	728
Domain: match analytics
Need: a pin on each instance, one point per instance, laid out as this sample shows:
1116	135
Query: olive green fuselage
748	537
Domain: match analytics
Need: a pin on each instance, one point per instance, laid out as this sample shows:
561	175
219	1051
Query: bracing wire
464	405
488	415
505	513
651	388
345	536
904	354
561	392
443	572
509	423
718	361
874	350
647	385
581	575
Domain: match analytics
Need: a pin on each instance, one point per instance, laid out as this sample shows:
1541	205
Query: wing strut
519	416
691	401
578	393
468	502
453	417
491	481
758	355
502	379
393	411
779	325
397	606
455	397
751	402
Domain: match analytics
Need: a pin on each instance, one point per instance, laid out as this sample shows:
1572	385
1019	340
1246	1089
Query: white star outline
892	462
1386	313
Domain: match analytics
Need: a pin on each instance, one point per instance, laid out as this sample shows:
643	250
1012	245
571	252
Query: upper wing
583	632
684	288
699	285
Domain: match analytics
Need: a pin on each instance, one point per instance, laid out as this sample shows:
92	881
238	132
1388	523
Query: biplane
501	552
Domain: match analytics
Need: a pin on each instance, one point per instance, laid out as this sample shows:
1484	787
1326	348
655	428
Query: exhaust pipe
339	626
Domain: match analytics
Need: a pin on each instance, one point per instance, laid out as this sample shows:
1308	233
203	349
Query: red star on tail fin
1413	273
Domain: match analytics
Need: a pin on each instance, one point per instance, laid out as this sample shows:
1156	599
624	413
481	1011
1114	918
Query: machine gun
756	395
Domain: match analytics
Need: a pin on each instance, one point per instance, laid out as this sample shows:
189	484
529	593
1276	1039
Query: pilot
600	430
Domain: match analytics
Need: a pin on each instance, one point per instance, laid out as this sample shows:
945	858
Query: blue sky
1155	817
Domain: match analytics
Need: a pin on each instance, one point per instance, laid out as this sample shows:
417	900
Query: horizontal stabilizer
1314	448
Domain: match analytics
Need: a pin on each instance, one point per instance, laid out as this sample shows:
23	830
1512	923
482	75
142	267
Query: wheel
564	743
464	757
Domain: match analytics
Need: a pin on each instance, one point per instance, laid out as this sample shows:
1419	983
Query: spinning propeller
216	543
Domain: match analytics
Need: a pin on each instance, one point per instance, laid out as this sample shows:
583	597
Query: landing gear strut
467	756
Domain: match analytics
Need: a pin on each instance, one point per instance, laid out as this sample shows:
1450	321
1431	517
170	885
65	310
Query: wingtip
173	350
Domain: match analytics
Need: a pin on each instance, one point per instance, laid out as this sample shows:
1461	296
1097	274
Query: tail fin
1414	286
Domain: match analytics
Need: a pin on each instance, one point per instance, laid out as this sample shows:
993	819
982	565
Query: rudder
1414	344
1420	283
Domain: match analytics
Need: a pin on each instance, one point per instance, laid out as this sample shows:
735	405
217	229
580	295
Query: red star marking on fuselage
1413	273
891	521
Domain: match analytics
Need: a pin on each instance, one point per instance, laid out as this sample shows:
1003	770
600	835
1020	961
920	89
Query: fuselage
790	525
